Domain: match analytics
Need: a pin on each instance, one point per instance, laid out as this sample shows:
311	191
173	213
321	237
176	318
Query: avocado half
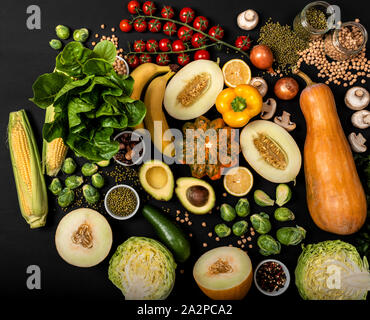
197	196
157	179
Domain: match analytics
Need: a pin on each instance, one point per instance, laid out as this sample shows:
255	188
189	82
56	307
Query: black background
25	54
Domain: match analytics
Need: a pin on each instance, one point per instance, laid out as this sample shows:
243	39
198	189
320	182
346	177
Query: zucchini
168	232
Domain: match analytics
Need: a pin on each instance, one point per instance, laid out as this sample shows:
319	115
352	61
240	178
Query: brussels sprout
55	44
80	35
242	208
103	163
227	212
88	169
62	32
290	235
261	222
240	227
97	180
262	199
73	182
66	197
283	194
90	193
268	245
283	214
69	166
222	230
55	186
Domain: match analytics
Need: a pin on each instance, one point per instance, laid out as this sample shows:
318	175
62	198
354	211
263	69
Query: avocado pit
197	195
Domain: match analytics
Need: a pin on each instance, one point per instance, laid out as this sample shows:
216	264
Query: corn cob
54	152
30	183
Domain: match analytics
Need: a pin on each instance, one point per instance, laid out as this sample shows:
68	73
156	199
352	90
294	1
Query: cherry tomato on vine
133	7
152	45
216	32
187	15
243	43
133	61
139	46
183	59
140	25
164	45
167	12
201	55
200	23
198	40
125	25
162	59
169	28
145	58
149	8
178	45
185	33
154	25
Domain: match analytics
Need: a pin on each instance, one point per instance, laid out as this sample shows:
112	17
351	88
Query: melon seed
271	152
194	89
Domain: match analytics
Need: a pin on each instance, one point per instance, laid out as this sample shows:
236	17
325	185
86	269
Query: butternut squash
335	197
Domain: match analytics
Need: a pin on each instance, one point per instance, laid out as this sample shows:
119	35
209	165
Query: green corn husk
25	157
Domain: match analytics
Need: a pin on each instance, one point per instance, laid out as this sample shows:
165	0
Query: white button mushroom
361	119
268	109
284	121
248	19
357	142
357	98
260	84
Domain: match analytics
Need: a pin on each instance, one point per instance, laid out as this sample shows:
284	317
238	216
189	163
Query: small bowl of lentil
131	148
121	66
271	277
122	202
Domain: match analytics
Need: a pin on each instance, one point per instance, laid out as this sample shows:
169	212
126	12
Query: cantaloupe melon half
224	273
193	90
83	238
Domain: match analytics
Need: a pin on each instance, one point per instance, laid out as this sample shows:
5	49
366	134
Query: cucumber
168	232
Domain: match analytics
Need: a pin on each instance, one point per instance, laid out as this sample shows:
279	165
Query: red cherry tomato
152	45
133	61
200	23
167	12
243	43
162	59
169	28
201	55
140	25
164	45
149	8
145	58
139	46
198	40
187	15
184	33
154	25
178	45
125	25
183	59
216	32
133	7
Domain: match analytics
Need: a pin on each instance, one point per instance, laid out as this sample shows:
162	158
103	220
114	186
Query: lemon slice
236	72
238	181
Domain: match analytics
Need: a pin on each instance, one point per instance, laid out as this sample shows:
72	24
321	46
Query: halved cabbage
143	269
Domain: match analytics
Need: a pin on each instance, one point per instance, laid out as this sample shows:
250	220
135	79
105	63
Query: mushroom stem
359	93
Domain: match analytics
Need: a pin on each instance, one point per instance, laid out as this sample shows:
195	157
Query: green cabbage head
332	270
143	269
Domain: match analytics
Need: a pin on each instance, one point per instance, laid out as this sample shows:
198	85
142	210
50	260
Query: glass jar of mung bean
316	19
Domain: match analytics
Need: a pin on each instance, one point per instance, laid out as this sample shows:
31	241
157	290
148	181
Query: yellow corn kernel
56	152
30	183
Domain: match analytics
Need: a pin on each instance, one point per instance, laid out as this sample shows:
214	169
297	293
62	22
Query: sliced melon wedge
83	238
224	273
193	90
271	151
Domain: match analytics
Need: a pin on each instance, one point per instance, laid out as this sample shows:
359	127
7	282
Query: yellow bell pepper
238	105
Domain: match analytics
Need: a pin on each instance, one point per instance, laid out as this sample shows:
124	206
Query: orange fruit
236	71
238	181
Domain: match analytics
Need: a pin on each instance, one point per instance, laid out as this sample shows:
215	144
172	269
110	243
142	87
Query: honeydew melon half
271	151
193	90
83	237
